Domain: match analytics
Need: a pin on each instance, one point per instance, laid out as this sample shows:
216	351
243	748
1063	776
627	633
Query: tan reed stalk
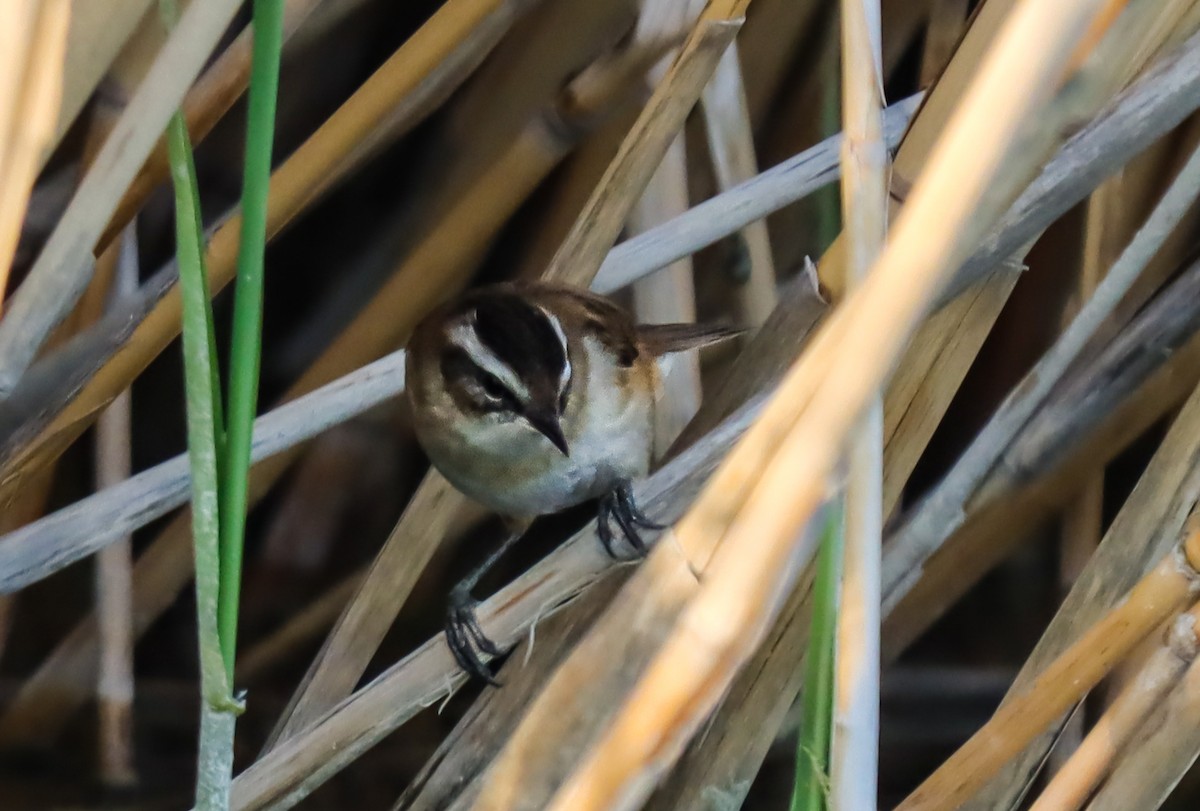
854	754
34	46
1172	583
114	599
731	142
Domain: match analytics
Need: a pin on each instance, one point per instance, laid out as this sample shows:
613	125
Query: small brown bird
534	397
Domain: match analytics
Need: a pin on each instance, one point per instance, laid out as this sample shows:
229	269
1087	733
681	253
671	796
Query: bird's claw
619	506
466	638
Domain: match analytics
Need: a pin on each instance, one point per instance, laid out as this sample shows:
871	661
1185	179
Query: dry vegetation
989	367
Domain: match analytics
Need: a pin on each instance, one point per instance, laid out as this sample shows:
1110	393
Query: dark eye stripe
473	386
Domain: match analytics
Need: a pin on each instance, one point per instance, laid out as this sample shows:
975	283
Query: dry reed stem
97	34
598	225
731	142
42	547
113	577
1160	754
854	758
1083	518
427	65
63	268
1064	681
29	102
1092	760
669	296
721	627
732	210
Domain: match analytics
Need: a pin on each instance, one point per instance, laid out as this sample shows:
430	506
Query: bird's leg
464	636
620	507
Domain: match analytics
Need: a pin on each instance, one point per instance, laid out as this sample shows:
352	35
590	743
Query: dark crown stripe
521	336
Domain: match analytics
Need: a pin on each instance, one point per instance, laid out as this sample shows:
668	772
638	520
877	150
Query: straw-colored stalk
775	479
854	757
63	268
1092	760
669	295
114	600
1158	595
34	44
731	142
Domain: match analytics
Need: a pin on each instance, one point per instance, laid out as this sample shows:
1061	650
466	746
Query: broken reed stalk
855	756
1170	585
114	602
799	437
62	270
35	44
935	518
1087	766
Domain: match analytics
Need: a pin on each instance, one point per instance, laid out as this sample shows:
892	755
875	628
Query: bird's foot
620	507
466	638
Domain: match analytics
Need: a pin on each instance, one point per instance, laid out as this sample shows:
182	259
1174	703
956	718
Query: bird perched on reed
534	397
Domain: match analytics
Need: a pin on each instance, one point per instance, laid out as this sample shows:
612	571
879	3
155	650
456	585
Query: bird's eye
494	388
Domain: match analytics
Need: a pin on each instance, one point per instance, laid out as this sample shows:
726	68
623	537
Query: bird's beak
548	426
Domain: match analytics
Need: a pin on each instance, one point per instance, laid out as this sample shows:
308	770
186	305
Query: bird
533	397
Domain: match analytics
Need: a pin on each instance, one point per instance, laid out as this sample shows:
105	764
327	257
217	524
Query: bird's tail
664	339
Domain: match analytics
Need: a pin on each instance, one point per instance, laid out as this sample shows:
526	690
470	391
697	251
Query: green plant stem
245	348
812	751
219	709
